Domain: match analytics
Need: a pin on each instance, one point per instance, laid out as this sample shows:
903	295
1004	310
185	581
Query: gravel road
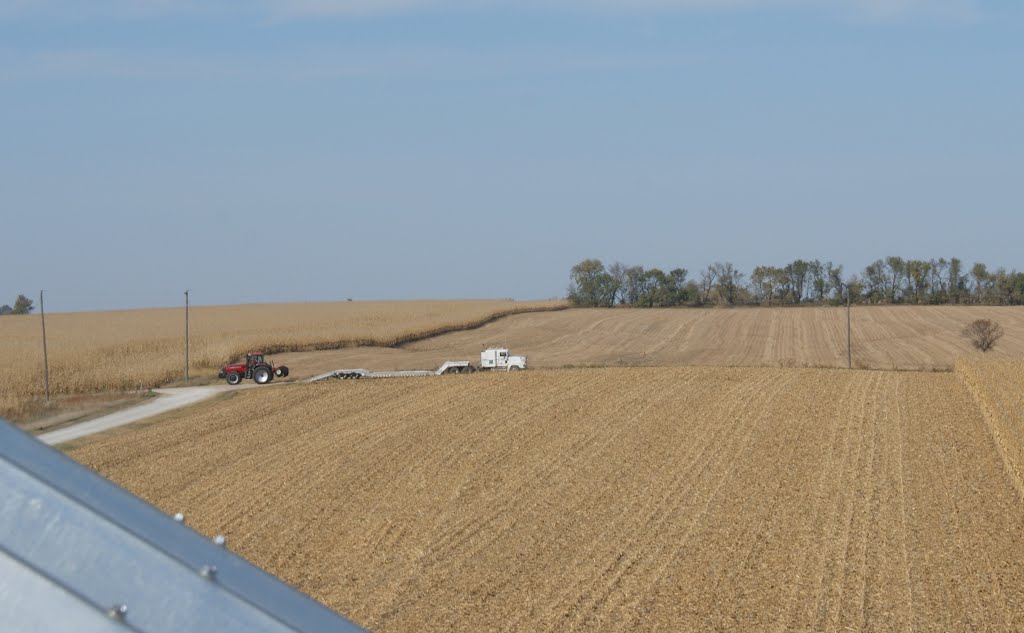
168	400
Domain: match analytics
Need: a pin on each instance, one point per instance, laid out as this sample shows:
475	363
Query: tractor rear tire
234	378
261	375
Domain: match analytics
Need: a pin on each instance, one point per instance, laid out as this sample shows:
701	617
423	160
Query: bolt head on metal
219	540
118	611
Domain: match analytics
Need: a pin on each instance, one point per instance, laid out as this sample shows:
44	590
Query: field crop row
640	499
884	337
109	351
998	387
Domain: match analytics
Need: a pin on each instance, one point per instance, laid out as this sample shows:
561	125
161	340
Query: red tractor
254	367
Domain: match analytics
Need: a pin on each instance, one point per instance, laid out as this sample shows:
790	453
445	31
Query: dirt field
679	499
884	337
121	351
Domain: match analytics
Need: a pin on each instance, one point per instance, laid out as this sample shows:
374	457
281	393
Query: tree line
892	280
22	305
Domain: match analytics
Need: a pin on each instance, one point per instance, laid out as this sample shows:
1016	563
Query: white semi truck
491	359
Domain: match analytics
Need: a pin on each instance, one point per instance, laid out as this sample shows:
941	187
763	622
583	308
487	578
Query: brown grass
112	351
680	499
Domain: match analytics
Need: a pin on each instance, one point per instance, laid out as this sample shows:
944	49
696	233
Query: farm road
169	400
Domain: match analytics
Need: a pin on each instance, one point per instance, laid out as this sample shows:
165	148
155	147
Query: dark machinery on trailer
255	367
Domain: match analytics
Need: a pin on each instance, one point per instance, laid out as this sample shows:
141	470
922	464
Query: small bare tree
983	334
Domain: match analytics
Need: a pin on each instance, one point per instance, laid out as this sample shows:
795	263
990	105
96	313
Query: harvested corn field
998	388
680	499
884	337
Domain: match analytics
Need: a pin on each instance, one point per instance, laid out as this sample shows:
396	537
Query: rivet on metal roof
208	571
219	540
117	612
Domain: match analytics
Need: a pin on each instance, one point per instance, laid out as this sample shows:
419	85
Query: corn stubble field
614	499
125	350
884	337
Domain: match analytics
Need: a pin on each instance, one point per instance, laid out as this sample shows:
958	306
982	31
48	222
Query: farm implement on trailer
255	367
493	359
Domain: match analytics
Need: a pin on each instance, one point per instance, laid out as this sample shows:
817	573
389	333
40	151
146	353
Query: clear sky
292	150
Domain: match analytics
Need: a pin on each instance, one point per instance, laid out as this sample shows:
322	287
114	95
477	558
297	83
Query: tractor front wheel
261	375
234	378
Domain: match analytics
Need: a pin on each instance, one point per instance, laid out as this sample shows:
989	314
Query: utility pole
46	360
849	332
186	337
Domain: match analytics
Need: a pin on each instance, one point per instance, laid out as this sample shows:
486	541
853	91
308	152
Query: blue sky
291	150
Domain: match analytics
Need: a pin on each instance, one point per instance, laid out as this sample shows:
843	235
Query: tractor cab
255	367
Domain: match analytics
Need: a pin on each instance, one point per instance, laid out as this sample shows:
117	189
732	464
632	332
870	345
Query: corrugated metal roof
79	553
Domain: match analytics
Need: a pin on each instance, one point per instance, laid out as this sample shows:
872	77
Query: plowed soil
643	499
884	337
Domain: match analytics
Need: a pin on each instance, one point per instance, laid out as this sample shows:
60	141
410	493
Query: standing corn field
123	350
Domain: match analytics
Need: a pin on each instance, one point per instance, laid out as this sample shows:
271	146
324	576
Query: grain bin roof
79	553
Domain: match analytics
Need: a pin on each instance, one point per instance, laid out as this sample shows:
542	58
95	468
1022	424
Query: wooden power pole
46	360
849	332
186	337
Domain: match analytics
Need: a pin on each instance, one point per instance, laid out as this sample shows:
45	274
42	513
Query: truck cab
499	358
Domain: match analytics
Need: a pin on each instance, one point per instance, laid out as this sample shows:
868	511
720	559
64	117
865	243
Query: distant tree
896	269
635	284
982	282
5	310
22	305
938	280
855	286
591	285
784	283
708	276
729	281
918	278
798	272
762	283
835	279
617	271
875	281
819	280
669	289
655	289
888	280
1007	287
955	280
1016	288
983	334
679	287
